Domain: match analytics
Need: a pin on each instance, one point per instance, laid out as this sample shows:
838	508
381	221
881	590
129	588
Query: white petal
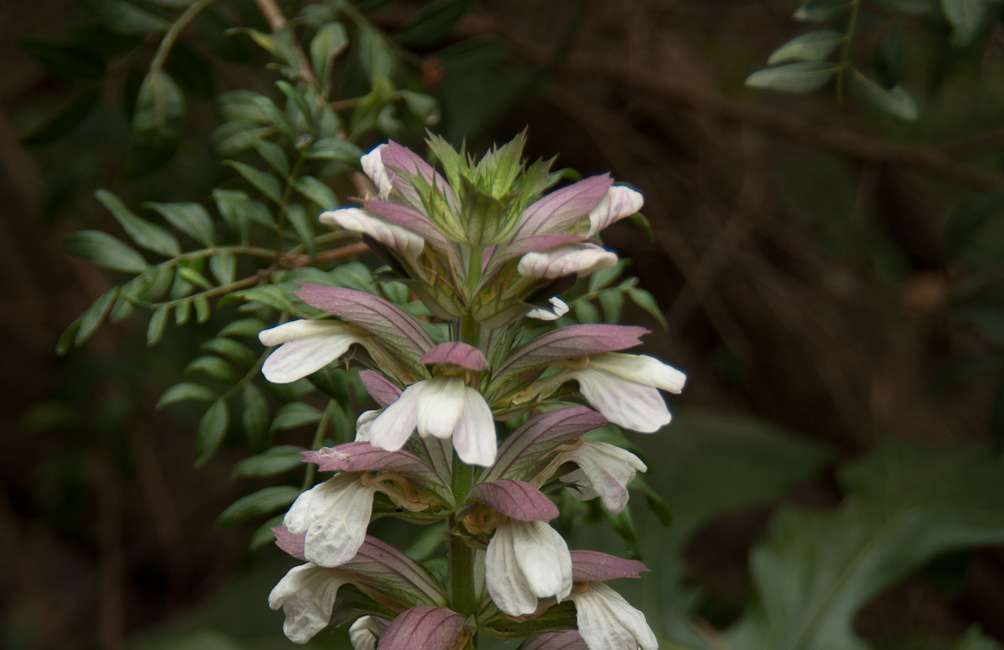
641	369
392	428
582	488
474	438
364	423
334	515
365	632
441	406
557	309
355	220
543	558
608	622
581	259
619	202
631	405
607	469
300	329
505	581
373	168
306	595
304	356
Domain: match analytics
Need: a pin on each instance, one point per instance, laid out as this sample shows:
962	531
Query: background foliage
827	266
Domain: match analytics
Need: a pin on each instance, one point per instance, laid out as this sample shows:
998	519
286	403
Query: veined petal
504	578
564	640
374	169
300	357
543	558
580	259
382	390
365	632
334	515
428	628
619	202
306	595
403	241
632	406
474	436
557	309
441	406
608	470
641	369
392	428
562	208
300	329
608	622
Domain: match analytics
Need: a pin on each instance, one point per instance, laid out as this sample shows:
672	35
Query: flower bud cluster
487	250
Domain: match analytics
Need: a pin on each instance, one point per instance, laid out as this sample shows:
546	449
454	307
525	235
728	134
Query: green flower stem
845	50
322	429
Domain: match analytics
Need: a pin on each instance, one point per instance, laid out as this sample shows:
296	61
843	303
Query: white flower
363	424
306	595
579	259
625	389
305	346
604	471
397	238
557	309
441	407
365	632
608	622
526	560
619	202
334	515
374	168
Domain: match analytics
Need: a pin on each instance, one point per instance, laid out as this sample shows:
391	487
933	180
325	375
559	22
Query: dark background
799	253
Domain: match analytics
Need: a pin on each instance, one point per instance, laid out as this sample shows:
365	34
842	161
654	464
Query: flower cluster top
487	250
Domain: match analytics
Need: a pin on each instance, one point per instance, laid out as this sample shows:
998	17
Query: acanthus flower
603	470
605	620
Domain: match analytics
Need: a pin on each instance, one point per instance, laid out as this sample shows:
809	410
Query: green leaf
375	53
155	329
273	155
213	367
276	460
229	349
254	416
334	149
303	225
798	77
185	391
191	275
244	327
66	120
434	22
263	535
240	212
645	300
423	106
144	233
91	319
269	295
294	415
605	277
105	251
316	191
895	101
182	311
159	117
223	267
67	62
327	44
65	342
906	504
966	17
814	46
655	501
820	11
190	218
262	502
125	17
212	429
586	312
612	301
262	181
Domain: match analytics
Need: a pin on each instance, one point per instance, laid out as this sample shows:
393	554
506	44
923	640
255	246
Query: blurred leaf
212	429
605	277
966	18
183	310
967	226
223	267
262	181
144	233
906	504
185	391
276	460
327	44
422	106
254	416
894	101
814	46
317	192
191	275
976	640
294	415
645	300
258	503
64	61
159	119
612	301
586	312
915	7
155	328
214	367
127	18
65	342
91	319
655	501
245	327
273	155
303	225
434	22
334	149
66	120
374	53
190	218
229	349
263	535
105	251
820	11
799	77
